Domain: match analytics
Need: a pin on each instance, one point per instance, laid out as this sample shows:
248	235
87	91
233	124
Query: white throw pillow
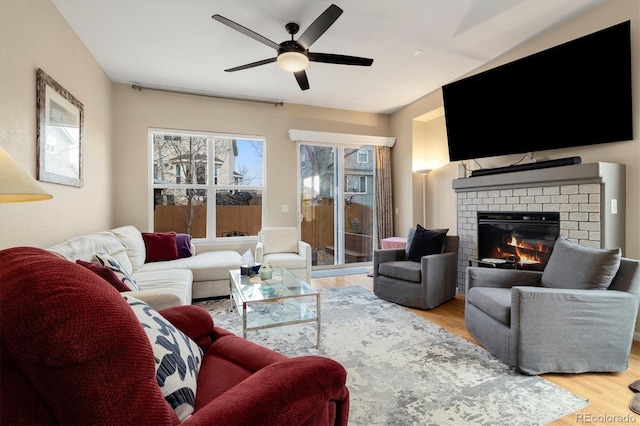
177	358
125	276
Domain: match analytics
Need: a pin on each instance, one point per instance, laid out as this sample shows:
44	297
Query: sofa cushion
285	260
131	237
183	243
106	274
163	289
205	266
577	267
279	240
426	242
160	246
177	358
495	301
86	246
121	272
404	270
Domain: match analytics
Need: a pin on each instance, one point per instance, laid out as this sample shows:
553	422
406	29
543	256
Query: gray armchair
423	285
539	328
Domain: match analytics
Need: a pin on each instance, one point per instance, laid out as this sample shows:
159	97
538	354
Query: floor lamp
424	173
16	185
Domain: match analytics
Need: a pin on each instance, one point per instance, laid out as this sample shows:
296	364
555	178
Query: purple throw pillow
183	242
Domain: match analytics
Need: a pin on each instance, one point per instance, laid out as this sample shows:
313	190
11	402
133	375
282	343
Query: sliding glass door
337	203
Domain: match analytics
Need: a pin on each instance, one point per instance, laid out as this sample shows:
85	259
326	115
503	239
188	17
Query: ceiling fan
293	55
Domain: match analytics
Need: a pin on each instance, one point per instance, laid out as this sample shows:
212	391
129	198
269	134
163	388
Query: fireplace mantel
589	197
563	175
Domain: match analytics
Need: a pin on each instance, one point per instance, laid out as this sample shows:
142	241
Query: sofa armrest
304	250
436	267
289	392
567	329
259	252
194	321
502	278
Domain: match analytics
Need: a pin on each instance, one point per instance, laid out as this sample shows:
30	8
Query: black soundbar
529	166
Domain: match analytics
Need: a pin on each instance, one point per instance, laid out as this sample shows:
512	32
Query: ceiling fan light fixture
293	61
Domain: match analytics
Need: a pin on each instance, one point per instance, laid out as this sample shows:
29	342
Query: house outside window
355	184
363	156
205	184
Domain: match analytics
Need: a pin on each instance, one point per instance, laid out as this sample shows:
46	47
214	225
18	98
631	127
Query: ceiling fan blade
303	81
319	26
330	58
246	31
252	64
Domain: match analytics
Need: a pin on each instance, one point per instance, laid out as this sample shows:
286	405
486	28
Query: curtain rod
230	98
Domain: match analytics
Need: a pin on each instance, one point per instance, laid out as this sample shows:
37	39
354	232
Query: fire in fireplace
520	240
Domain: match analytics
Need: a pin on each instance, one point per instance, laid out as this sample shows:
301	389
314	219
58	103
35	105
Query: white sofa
162	284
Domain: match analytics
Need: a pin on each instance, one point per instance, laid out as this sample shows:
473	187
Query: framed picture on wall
60	120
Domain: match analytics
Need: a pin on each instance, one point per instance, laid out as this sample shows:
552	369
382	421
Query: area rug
405	370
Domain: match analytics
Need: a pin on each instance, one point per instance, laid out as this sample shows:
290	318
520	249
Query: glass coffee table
282	300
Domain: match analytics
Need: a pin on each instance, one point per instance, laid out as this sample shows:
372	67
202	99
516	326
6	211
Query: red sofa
73	352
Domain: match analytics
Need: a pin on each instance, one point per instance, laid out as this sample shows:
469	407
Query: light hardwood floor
608	393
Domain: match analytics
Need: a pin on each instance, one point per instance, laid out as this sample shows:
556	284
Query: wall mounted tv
577	93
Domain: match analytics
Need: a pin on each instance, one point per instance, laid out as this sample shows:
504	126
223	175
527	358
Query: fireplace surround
589	200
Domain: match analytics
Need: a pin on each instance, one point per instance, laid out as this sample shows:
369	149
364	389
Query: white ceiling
174	44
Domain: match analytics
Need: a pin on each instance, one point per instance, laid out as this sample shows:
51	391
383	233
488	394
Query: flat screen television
577	93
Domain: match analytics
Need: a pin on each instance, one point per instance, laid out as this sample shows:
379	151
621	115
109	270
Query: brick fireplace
589	200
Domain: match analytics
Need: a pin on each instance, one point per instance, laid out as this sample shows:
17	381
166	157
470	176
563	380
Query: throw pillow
574	266
412	232
410	235
425	242
183	242
177	358
123	275
160	246
106	274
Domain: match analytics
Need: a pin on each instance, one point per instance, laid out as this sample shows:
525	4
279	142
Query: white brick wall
579	207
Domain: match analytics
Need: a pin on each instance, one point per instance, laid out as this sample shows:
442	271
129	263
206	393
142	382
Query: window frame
212	187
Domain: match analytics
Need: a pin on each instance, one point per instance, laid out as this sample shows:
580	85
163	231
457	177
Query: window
356	184
363	156
207	185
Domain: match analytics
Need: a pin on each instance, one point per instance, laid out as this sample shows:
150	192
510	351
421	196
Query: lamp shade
293	61
16	185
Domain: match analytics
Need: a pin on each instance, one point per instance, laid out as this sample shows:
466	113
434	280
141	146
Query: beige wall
34	35
135	111
424	139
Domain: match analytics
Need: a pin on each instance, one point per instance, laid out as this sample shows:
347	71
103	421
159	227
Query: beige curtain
384	199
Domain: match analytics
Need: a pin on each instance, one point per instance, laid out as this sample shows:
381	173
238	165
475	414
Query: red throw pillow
160	246
106	274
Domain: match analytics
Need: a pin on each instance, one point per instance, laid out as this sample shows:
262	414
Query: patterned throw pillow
124	275
177	357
